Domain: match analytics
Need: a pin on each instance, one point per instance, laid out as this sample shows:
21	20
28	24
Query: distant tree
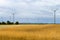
0	22
3	23
12	22
8	22
16	22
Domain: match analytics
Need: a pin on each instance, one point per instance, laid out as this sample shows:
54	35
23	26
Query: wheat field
30	32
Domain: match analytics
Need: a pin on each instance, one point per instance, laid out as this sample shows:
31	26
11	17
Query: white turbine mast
55	10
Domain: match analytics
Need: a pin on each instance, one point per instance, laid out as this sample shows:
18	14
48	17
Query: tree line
9	22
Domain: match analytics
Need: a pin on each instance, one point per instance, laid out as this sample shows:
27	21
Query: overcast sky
30	11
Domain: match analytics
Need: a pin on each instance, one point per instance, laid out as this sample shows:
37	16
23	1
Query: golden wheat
30	32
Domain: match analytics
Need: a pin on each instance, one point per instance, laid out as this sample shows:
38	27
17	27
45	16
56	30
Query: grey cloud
29	8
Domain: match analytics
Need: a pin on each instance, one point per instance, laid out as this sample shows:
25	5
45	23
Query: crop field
30	32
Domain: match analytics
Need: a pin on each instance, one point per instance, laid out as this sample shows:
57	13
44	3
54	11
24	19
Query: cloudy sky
30	11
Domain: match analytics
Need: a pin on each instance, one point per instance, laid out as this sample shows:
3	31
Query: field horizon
30	32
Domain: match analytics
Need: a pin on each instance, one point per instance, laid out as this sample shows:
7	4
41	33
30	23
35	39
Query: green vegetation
16	22
9	22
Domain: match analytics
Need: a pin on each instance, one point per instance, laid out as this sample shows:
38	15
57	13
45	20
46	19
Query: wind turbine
10	18
55	15
13	17
13	14
1	19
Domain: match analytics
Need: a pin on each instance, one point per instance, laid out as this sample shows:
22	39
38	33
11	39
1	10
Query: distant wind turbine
1	19
13	14
13	17
55	15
